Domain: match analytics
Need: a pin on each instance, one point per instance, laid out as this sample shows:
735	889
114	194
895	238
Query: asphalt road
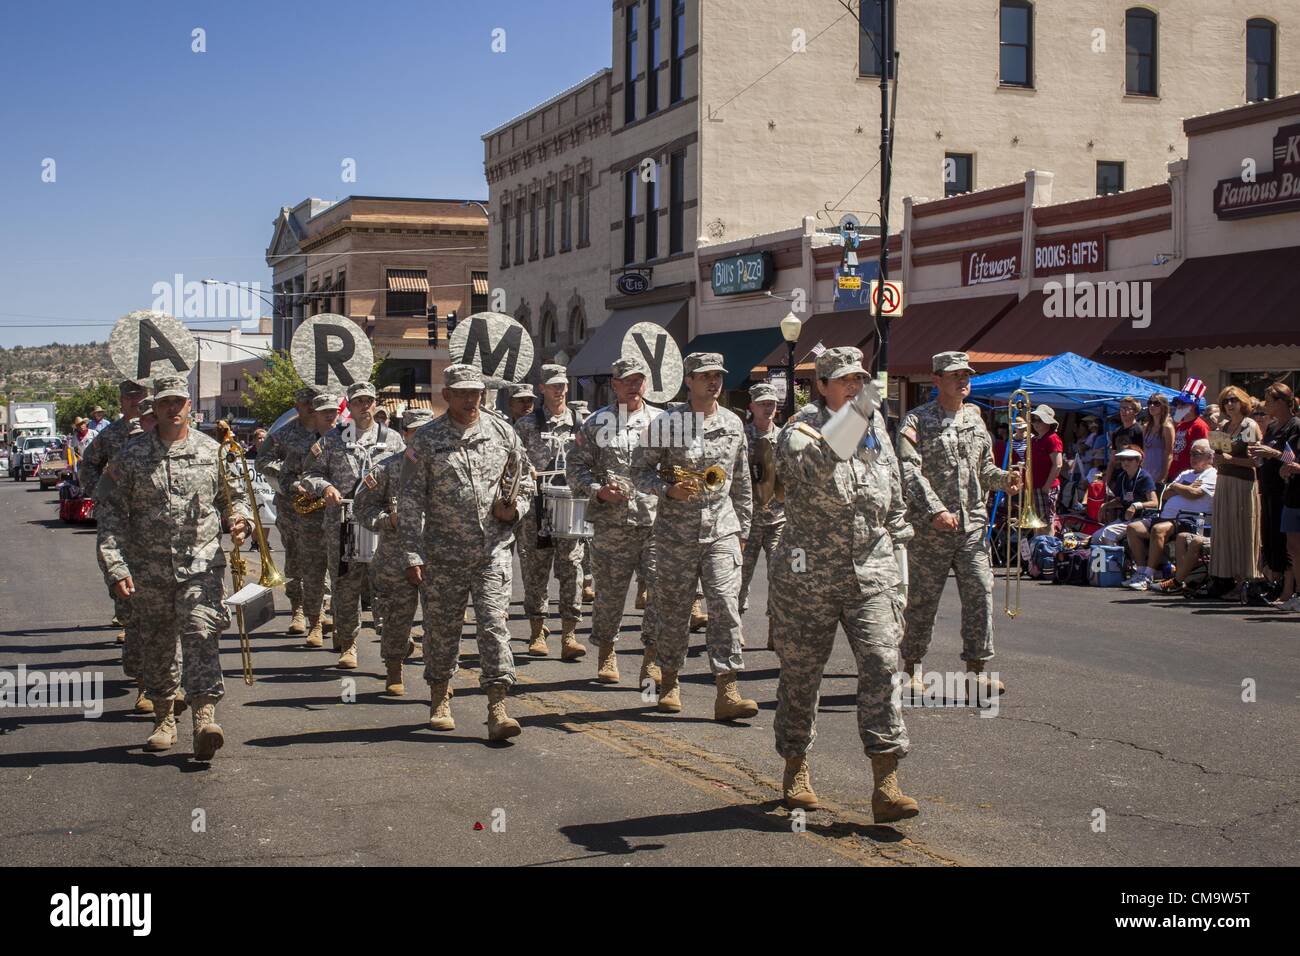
1117	702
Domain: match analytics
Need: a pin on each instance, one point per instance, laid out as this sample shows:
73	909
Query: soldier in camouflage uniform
608	446
396	598
836	565
699	534
160	548
580	414
522	401
294	439
947	464
450	518
96	458
769	514
548	436
313	557
335	469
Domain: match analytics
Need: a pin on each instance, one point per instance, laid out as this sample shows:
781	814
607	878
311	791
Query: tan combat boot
394	686
796	785
985	687
648	666
642	597
208	737
348	658
607	669
298	625
729	705
164	727
143	705
501	726
914	687
570	648
440	707
699	615
179	702
888	802
327	621
315	635
670	693
537	643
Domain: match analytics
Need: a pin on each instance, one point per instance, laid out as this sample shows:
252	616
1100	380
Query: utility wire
793	54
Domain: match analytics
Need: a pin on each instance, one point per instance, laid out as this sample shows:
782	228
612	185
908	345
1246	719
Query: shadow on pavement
614	836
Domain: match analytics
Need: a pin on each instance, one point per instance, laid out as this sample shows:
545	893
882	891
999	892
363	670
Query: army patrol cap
762	392
841	361
555	375
523	391
146	406
130	386
324	400
625	367
361	389
305	394
170	386
951	362
415	417
698	362
460	375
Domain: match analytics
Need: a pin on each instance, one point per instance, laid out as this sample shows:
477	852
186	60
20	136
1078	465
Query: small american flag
345	416
1288	456
1195	388
818	349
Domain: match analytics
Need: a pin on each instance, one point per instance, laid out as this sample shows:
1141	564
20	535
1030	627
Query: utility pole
880	360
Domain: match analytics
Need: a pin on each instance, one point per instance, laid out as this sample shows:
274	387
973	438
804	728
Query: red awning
931	327
1027	334
831	329
1247	298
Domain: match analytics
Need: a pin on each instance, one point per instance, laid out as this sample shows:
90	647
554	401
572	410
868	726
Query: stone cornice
548	147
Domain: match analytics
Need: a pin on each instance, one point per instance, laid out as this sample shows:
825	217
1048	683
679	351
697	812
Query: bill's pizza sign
1270	193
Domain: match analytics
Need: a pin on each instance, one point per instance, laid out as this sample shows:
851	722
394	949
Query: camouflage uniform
163	530
698	540
835	565
765	528
288	447
396	598
544	436
449	483
104	486
342	459
947	465
624	538
99	453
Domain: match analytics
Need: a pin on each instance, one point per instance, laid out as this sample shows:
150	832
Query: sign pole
880	360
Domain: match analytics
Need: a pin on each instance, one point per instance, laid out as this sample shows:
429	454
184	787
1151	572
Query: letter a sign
331	351
495	344
146	344
651	343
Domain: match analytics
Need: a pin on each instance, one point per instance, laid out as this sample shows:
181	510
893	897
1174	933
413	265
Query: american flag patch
316	450
371	481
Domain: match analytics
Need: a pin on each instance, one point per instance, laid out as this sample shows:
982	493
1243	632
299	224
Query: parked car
31	452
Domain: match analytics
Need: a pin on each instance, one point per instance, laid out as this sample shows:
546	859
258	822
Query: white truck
29	420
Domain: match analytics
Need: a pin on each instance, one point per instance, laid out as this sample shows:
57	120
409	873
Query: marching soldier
835	565
946	456
548	435
160	550
294	439
313	561
580	414
608	445
522	401
395	597
699	532
452	517
761	436
99	453
335	468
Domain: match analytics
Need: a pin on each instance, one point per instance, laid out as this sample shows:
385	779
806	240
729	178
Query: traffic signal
431	326
451	323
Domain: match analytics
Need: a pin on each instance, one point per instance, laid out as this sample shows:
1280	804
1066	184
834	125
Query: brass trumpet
710	479
1018	411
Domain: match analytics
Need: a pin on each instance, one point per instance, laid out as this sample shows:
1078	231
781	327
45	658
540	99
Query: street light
790	328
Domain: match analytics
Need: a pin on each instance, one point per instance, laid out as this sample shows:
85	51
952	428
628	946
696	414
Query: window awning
606	342
408	280
928	328
1027	334
479	283
831	329
740	350
1246	298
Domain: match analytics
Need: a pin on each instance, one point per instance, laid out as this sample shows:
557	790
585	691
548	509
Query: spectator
1128	433
1235	541
259	436
82	435
1290	472
1047	457
1190	494
1188	426
1131	490
1281	434
98	420
1158	439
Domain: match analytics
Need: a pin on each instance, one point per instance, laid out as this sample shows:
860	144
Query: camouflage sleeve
579	469
316	472
742	488
915	485
112	525
649	456
992	478
413	493
900	531
92	466
802	455
370	506
527	486
234	497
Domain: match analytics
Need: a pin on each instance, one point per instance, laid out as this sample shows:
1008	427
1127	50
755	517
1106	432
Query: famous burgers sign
1255	193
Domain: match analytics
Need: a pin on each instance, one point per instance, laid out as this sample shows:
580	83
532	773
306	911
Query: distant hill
43	372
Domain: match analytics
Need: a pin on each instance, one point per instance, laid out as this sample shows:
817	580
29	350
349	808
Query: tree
81	401
270	392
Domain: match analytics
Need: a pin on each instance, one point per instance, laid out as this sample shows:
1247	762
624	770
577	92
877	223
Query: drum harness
364	455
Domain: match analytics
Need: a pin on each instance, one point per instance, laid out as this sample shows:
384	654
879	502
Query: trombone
1018	411
270	576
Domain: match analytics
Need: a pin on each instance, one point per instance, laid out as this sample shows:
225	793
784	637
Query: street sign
851	283
632	283
892	295
750	272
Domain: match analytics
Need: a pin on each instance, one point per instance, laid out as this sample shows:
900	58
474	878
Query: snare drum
565	514
360	543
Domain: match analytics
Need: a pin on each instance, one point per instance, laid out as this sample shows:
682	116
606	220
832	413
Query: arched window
1261	60
548	333
577	326
1140	52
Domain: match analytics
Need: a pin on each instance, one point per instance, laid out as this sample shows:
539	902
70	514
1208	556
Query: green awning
741	351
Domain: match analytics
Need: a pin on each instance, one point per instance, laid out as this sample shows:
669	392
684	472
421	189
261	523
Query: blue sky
171	161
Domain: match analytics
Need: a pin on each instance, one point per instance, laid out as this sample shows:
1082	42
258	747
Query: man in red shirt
1188	426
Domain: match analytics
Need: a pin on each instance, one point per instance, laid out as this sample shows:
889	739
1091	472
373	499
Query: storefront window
1256	381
